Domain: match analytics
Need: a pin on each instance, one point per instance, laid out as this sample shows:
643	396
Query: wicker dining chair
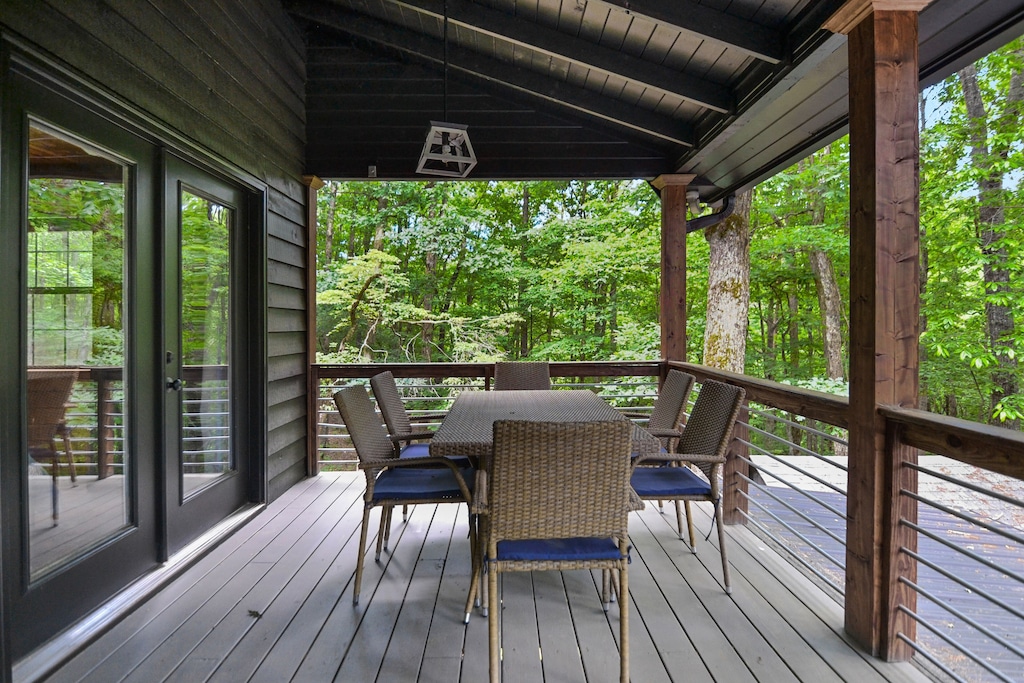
48	395
702	444
512	375
391	480
558	498
669	411
400	426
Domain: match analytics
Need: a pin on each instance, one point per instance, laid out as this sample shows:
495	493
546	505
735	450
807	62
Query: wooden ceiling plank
523	81
728	30
554	43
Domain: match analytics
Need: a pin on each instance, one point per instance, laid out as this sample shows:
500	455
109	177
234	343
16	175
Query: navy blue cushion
559	549
410	483
422	450
668	482
416	450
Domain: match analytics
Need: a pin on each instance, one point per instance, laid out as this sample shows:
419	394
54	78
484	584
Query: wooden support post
673	264
313	183
884	303
735	503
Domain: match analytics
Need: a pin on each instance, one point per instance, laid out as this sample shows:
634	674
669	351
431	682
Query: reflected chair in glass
558	498
48	394
513	375
702	445
391	480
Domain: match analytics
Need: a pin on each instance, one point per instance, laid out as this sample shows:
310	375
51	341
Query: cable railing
426	389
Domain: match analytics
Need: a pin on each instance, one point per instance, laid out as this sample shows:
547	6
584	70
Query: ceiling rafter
468	63
585	54
705	22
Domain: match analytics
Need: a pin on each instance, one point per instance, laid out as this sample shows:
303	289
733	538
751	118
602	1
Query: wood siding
228	78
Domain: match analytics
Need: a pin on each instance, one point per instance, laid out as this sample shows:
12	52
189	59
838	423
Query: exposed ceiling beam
708	23
585	54
523	81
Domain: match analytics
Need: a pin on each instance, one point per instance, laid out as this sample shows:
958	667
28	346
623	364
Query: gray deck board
294	566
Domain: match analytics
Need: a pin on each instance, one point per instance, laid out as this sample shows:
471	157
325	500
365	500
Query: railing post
735	486
896	564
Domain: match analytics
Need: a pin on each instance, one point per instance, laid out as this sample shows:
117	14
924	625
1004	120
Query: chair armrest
664	433
678	457
428	417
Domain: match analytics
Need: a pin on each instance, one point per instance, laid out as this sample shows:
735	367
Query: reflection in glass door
79	463
205	342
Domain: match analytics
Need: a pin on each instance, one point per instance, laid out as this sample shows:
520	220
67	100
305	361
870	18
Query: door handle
174	384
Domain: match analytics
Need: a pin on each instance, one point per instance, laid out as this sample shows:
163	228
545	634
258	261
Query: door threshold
52	654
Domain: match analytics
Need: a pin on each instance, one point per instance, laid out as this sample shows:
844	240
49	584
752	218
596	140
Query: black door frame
32	84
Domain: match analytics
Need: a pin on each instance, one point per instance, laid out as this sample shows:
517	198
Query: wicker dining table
467	429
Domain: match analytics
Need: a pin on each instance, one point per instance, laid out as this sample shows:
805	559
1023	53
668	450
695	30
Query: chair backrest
511	375
670	406
390	403
48	394
559	479
368	436
709	428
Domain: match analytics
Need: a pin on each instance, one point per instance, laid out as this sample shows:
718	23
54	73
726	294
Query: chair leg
606	580
474	582
721	547
71	456
387	528
359	557
492	624
405	513
689	526
623	625
55	490
380	531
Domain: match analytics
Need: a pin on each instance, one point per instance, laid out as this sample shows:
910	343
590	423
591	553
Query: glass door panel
205	309
78	461
205	342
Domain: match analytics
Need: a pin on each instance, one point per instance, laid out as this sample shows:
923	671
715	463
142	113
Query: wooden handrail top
484	370
990	447
816	405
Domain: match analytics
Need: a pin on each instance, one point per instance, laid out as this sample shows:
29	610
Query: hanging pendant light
447	150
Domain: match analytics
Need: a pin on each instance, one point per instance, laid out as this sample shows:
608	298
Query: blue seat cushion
411	483
422	450
668	482
541	550
416	450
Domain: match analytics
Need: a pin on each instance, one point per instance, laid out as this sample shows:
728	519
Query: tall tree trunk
524	324
725	337
991	216
830	303
434	214
794	331
332	205
378	235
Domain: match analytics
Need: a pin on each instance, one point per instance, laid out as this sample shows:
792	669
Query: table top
468	429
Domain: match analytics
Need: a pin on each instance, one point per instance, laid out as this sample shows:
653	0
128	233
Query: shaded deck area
273	603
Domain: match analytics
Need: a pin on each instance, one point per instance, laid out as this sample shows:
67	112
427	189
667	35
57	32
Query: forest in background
482	271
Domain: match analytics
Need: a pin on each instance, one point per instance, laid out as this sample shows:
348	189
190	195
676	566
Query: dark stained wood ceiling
729	90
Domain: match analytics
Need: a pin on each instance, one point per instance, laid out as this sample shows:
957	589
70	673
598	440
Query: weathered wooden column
884	303
313	183
673	264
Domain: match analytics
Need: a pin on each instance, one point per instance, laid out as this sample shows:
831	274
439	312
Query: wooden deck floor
273	603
